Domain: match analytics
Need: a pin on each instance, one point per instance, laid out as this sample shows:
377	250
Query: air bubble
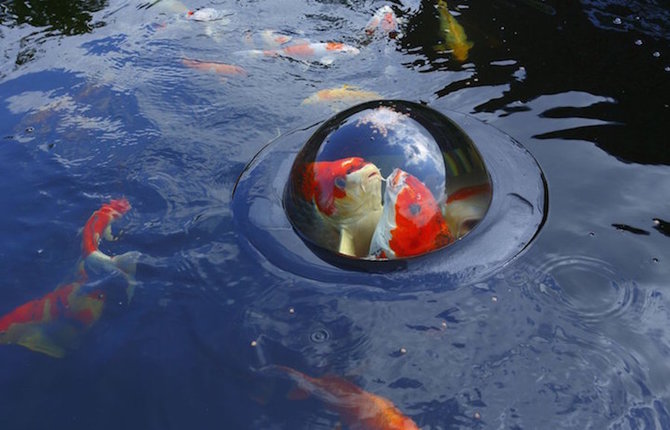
319	336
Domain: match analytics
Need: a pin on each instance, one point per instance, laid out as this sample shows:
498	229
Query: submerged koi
52	322
358	408
385	20
466	207
452	33
346	194
323	52
99	226
211	66
207	14
412	223
345	94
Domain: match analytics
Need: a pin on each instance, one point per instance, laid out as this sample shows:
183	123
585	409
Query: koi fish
344	95
322	52
98	226
272	39
466	207
346	195
358	408
211	66
52	322
207	14
453	34
412	223
385	20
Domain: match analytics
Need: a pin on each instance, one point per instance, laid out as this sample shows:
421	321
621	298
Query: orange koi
211	66
346	194
358	408
52	322
412	222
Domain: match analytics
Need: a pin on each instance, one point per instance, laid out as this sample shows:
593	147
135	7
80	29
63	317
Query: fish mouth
374	174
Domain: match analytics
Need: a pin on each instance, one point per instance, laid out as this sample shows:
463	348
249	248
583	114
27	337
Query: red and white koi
412	223
322	52
359	409
52	323
384	20
346	194
99	226
207	14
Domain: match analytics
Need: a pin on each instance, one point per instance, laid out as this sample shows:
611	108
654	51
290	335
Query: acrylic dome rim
517	207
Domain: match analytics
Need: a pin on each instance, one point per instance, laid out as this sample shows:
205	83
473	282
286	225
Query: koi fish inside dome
345	160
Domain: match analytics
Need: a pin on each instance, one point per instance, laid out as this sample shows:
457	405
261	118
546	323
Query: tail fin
127	264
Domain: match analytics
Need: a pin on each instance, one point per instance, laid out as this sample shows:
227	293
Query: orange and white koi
358	408
99	226
452	33
346	194
346	94
412	223
385	20
52	323
216	67
207	14
322	52
272	39
466	207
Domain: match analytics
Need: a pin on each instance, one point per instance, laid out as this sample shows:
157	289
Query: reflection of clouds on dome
417	146
381	119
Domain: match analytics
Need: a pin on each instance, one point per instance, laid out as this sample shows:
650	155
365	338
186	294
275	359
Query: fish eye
341	182
415	208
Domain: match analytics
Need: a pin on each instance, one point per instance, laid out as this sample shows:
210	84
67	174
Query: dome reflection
387	180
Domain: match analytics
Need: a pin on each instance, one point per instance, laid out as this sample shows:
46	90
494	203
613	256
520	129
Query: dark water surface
95	103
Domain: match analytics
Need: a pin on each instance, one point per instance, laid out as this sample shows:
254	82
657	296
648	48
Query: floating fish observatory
389	190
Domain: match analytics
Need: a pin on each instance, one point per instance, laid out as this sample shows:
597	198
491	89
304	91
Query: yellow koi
452	34
344	95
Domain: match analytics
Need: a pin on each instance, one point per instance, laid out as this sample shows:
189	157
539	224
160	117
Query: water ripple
588	288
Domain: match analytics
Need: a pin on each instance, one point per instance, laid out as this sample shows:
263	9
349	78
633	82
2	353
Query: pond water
108	99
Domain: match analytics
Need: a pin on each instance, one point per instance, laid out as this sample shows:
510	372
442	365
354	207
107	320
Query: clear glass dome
387	180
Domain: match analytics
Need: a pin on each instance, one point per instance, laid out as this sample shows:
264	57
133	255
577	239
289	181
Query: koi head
343	190
384	19
466	207
120	205
412	223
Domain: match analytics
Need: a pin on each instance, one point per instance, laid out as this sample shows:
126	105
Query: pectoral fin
34	337
347	243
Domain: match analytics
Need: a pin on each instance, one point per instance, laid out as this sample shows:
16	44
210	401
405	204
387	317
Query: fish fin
327	60
33	337
297	393
127	264
347	243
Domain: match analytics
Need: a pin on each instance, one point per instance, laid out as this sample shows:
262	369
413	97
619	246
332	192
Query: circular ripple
319	335
589	288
